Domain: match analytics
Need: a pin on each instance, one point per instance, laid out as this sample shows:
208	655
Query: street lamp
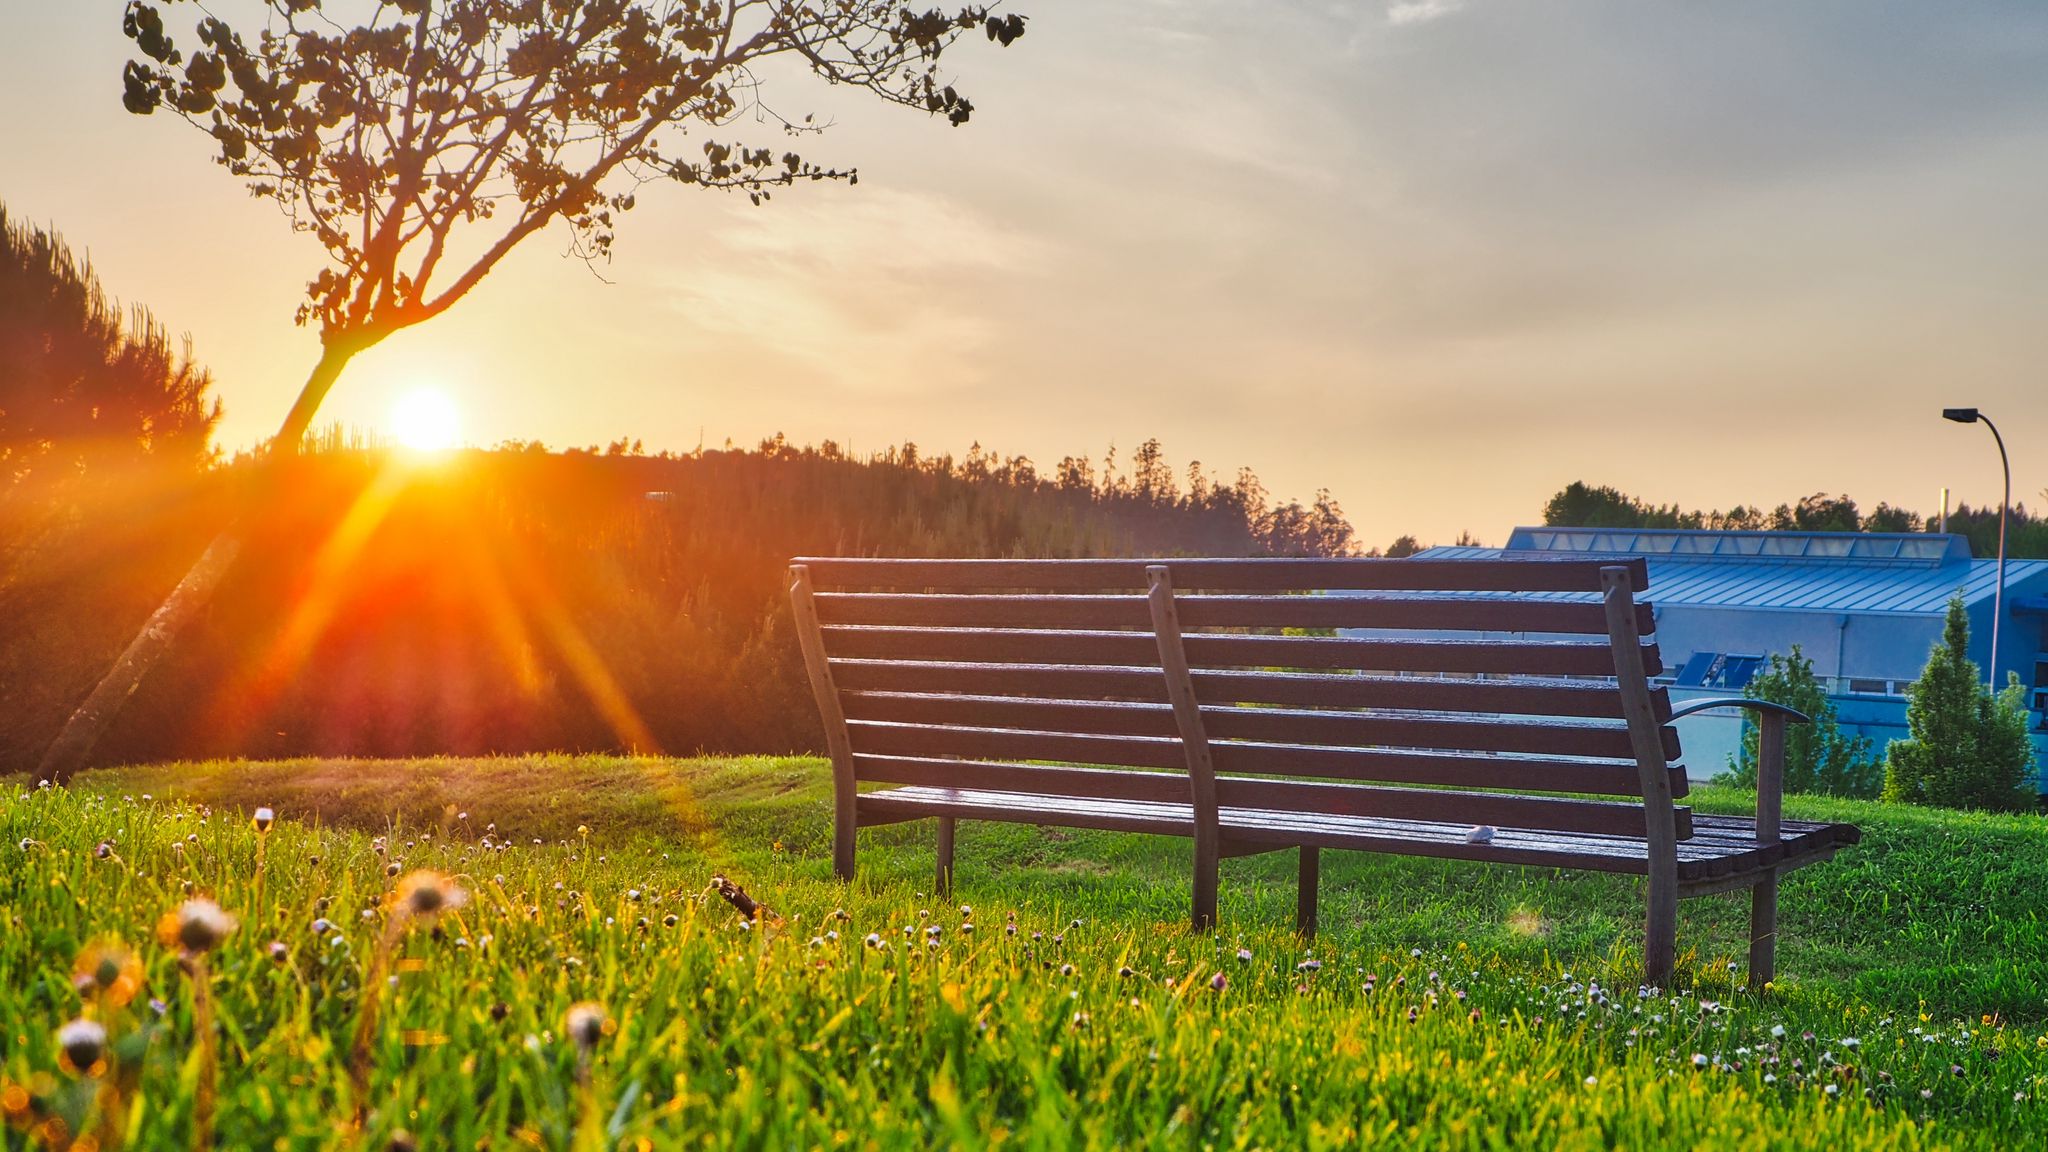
1972	416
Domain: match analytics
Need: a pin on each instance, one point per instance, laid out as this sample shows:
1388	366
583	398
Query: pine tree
1819	756
1969	748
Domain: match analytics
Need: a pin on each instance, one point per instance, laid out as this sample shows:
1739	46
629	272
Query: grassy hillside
1445	1005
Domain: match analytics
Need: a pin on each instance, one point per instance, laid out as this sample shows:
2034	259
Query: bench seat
1721	847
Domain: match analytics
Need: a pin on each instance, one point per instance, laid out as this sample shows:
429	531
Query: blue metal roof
1904	573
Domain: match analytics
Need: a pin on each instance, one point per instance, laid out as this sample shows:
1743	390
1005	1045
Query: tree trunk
82	732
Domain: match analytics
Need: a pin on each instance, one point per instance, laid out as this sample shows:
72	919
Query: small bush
1819	757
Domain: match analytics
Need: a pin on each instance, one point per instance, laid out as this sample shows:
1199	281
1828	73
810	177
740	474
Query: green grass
1502	1010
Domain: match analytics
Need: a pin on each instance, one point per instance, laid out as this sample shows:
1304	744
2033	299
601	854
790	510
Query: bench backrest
1311	685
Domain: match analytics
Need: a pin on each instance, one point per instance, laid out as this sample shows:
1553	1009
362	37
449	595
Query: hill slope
1415	1022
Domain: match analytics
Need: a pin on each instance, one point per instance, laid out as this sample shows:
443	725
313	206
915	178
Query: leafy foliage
386	139
1969	747
1579	505
1819	756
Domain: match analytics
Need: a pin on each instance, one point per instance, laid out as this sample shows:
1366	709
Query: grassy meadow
1055	999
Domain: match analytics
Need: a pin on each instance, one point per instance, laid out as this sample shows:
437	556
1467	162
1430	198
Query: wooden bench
1260	705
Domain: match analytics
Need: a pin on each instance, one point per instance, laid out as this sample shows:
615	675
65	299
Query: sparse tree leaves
384	139
1004	29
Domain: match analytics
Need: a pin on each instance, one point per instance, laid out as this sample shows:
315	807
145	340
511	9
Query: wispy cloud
877	288
1421	11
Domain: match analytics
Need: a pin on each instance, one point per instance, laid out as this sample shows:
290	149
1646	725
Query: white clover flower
263	818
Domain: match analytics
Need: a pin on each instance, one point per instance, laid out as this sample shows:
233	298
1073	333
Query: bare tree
421	144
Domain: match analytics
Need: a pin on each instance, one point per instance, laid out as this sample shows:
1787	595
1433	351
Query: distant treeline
522	599
1581	505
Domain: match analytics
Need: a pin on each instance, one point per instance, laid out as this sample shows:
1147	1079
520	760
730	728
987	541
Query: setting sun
426	420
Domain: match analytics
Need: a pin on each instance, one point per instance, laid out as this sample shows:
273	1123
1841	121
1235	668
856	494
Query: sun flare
426	420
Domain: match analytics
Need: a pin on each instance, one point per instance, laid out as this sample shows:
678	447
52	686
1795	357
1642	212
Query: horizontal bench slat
1092	783
1596	852
881	736
1453	769
1293	726
1132	611
1107	718
1554	814
1605	817
1512	697
1457	769
1261	574
1004	645
1096	783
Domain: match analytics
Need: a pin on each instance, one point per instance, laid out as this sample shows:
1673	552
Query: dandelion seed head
108	971
83	1042
197	926
425	893
585	1024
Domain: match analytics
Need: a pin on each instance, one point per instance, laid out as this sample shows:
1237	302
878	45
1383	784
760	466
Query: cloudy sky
1440	257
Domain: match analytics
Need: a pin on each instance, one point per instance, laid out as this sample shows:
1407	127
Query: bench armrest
1766	707
1771	719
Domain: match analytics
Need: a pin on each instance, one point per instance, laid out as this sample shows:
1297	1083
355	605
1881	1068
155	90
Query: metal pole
1998	594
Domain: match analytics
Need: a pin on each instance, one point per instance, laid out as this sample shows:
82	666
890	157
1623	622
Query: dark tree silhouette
81	394
421	147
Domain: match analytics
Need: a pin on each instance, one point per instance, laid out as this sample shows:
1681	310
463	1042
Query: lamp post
1972	416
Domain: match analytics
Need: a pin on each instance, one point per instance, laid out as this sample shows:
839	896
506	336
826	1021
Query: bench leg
1305	890
945	855
1763	931
1660	931
843	829
1206	853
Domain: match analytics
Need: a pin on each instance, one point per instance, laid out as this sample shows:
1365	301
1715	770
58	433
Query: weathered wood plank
1209	650
1165	787
1763	898
1435	614
1471	770
890	738
1245	829
1290	575
1307	879
1280	725
1466	809
845	819
1518	697
1660	933
1187	716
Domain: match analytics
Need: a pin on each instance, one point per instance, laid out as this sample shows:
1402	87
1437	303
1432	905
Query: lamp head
1960	415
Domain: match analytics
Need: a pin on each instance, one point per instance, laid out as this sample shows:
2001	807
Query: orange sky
1439	257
